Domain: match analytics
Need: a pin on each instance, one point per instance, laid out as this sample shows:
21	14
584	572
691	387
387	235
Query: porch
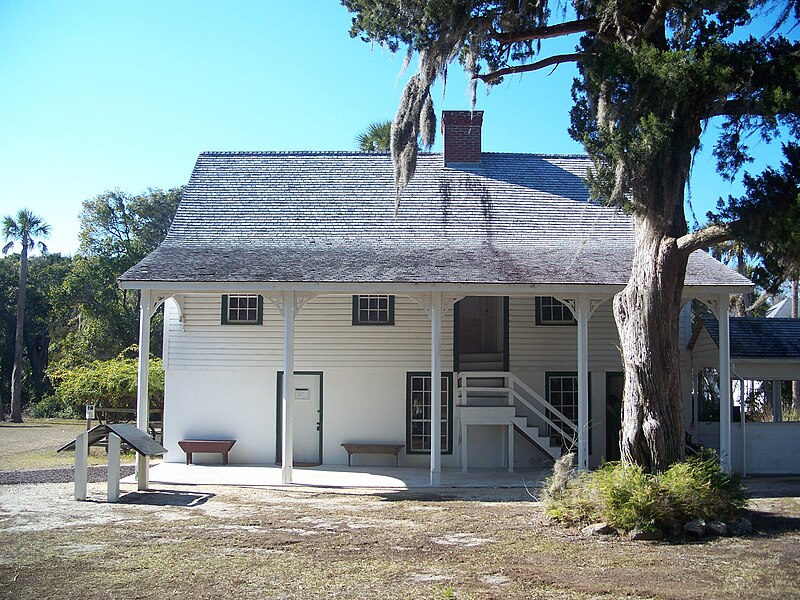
333	476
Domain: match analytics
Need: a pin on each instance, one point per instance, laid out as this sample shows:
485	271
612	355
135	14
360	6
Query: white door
307	418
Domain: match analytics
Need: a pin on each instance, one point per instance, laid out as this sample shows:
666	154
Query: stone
695	527
717	528
598	529
740	526
646	535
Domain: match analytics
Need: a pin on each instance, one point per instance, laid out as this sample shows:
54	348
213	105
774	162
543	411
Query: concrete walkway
338	476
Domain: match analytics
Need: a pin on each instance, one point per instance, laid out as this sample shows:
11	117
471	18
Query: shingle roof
330	217
754	337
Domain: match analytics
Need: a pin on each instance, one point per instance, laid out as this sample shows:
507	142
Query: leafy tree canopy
651	76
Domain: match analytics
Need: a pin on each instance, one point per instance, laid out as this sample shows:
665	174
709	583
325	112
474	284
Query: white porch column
142	390
436	388
777	402
112	485
287	441
582	310
726	459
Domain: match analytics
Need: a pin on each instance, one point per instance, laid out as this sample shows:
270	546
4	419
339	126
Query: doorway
306	418
481	334
615	383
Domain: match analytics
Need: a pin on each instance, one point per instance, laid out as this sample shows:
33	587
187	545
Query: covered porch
334	476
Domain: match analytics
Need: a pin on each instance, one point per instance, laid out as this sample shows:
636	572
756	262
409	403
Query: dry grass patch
300	543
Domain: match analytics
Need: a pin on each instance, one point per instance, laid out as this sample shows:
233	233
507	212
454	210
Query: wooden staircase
501	398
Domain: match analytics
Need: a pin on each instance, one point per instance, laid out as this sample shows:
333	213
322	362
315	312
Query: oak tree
652	74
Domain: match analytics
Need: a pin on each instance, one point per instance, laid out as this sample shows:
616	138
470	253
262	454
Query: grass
32	444
310	543
301	542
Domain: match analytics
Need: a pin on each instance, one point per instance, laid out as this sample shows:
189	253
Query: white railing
513	385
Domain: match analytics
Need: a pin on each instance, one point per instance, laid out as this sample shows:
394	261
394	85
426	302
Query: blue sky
125	94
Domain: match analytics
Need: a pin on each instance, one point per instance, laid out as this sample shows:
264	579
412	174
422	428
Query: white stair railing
515	388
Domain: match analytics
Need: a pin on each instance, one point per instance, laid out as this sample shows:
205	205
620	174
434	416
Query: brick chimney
461	130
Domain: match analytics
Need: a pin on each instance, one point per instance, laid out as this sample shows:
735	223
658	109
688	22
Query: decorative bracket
300	300
424	300
572	304
711	303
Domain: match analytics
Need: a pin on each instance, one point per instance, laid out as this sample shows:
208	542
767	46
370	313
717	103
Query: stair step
472	388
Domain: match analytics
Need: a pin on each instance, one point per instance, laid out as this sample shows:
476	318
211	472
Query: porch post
436	388
287	441
582	306
726	459
142	403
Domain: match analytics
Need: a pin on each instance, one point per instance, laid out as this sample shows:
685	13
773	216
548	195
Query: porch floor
335	476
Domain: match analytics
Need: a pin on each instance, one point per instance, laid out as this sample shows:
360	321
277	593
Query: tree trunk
647	314
37	345
16	373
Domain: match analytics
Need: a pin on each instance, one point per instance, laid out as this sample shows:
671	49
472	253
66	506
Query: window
242	309
373	310
418	393
550	311
561	390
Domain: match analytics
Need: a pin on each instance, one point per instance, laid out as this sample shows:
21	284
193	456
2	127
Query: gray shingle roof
754	337
330	217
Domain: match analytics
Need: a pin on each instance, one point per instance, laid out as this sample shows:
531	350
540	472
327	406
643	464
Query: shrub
627	498
108	383
54	407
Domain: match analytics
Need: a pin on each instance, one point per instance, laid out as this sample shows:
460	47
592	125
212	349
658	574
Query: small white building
764	353
487	294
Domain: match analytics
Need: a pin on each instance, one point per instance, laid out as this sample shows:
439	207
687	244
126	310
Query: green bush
108	383
54	407
627	498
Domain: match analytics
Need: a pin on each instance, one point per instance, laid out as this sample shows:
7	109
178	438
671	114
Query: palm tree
24	229
375	138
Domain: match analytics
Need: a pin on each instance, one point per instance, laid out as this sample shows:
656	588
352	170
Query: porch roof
329	217
759	338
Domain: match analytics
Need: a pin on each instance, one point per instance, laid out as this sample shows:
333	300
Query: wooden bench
210	446
374	449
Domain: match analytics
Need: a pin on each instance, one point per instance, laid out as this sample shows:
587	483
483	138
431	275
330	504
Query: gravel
97	474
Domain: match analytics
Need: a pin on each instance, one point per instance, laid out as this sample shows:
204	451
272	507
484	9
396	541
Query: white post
777	402
436	388
142	401
287	448
510	448
81	465
742	419
724	384
112	489
463	448
582	306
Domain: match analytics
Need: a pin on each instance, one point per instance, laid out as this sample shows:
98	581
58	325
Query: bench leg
348	459
188	458
224	458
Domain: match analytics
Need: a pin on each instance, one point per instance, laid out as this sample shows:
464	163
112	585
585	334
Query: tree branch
713	234
550	31
542	64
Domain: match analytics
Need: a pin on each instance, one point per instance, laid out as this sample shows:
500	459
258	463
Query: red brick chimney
461	130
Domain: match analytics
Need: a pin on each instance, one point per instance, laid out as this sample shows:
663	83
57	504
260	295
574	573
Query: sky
108	94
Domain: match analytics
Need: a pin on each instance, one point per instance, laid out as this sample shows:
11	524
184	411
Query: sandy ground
291	542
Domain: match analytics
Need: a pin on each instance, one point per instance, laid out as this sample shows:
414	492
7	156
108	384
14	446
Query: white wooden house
303	312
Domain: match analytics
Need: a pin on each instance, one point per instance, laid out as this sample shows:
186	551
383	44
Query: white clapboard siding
705	353
554	348
324	337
